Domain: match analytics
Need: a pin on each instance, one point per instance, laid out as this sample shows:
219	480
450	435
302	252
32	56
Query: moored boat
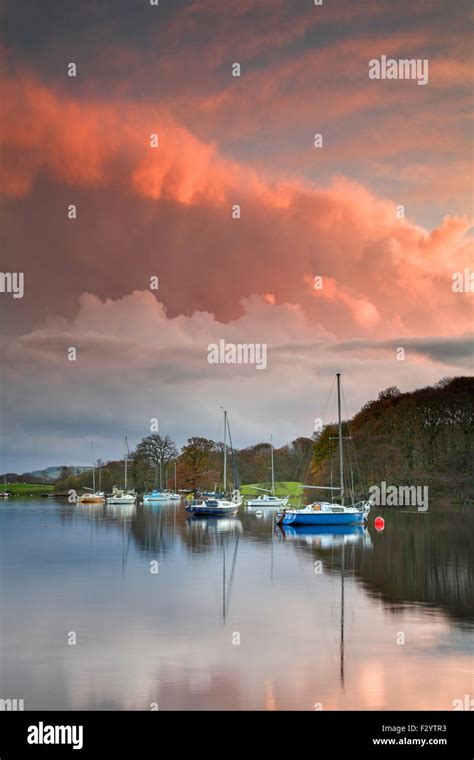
160	496
323	512
93	497
215	507
122	496
212	507
155	495
98	497
268	498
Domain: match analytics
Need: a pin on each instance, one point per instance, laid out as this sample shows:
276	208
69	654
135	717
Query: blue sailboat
324	512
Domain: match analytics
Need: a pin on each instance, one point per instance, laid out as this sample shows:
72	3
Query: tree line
157	463
424	436
420	437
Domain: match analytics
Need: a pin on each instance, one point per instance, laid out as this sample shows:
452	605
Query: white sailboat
324	512
268	498
94	497
174	495
122	496
215	507
5	494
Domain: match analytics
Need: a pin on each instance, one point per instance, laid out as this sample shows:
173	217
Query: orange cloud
89	143
381	272
361	309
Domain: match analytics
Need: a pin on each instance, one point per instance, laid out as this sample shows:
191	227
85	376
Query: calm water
171	638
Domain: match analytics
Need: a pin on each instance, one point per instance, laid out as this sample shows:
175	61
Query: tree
156	451
389	393
196	459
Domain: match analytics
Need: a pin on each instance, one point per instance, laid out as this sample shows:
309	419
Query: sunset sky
306	212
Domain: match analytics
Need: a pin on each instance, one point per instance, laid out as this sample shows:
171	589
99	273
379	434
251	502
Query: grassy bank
26	489
282	488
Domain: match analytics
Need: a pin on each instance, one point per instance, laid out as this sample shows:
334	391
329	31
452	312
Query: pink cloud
381	271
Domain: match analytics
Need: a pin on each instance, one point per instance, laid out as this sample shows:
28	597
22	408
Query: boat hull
212	512
266	504
91	499
324	518
157	497
202	510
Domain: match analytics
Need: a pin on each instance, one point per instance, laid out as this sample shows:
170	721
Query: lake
142	608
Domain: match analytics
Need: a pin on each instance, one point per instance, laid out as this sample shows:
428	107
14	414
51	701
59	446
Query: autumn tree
196	459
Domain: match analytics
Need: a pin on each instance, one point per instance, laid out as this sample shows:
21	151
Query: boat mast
225	450
126	463
93	468
342	618
341	458
273	469
175	482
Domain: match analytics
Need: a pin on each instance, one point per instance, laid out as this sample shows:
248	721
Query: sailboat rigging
123	496
323	512
95	497
228	504
268	498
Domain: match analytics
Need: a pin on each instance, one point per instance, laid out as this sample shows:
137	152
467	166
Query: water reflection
431	552
316	610
326	536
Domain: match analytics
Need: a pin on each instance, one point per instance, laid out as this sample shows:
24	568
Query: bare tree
156	451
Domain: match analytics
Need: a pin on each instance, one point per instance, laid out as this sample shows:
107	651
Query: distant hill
48	475
53	473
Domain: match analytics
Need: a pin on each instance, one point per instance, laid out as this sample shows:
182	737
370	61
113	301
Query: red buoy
379	523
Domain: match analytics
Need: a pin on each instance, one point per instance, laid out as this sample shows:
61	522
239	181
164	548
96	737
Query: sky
343	254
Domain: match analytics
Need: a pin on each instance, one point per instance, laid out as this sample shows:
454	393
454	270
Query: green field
26	489
282	488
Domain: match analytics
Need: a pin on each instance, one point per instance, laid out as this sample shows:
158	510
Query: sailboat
323	512
158	495
122	496
5	494
173	495
94	497
215	507
268	498
155	495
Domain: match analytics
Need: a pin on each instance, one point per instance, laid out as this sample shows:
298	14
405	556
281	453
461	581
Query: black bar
134	734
